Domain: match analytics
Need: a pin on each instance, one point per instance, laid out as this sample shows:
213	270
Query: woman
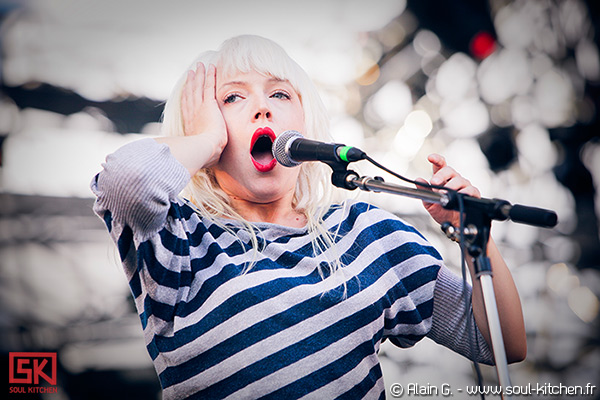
259	286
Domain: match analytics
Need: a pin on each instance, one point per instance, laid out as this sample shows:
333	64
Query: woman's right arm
203	124
139	181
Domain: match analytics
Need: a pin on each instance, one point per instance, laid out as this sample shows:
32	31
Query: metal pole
378	185
491	309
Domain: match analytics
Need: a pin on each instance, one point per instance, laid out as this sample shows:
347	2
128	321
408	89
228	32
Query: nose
263	110
266	114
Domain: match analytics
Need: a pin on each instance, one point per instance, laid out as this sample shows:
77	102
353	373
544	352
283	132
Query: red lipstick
260	149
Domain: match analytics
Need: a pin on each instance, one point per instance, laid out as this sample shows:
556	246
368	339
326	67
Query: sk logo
32	368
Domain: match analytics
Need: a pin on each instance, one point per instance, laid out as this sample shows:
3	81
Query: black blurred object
114	385
498	145
2	137
574	175
128	115
464	25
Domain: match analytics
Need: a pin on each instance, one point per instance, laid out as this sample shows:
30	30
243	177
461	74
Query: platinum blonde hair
314	192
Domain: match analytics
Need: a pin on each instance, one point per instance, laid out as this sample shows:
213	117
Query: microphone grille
281	145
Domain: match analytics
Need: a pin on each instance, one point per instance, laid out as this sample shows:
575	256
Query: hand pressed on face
200	110
444	175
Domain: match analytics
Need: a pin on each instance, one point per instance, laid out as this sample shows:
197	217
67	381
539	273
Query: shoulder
184	214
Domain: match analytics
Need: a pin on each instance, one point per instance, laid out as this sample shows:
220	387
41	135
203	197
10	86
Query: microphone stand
478	214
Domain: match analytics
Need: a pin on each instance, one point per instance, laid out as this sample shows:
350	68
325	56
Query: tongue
262	157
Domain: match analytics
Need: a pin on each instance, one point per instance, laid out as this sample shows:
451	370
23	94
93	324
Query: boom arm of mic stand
494	209
378	185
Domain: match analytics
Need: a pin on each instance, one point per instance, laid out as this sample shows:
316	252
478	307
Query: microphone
291	149
532	216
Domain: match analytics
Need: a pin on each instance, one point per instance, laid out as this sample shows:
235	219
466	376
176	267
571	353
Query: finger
457	183
463	185
186	99
471	191
186	84
443	176
425	187
425	184
199	80
438	162
210	83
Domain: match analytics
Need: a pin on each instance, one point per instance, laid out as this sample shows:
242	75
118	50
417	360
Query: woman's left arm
507	297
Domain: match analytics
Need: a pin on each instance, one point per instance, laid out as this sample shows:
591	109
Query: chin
258	188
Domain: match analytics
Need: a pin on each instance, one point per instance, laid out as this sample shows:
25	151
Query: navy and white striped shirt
280	330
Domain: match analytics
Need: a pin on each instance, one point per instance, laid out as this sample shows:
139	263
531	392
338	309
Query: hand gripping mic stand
478	215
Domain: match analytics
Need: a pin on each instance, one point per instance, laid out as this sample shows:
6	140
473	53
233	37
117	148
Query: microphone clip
341	176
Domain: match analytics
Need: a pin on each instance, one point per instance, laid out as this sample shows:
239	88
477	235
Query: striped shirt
280	330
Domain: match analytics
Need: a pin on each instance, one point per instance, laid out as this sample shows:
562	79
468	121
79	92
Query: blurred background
506	90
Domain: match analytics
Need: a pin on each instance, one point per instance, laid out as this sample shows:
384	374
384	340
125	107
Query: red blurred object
482	45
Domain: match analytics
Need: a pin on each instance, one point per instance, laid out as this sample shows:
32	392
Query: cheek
233	155
299	119
237	139
227	117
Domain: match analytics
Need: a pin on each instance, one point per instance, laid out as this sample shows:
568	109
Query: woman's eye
231	98
281	95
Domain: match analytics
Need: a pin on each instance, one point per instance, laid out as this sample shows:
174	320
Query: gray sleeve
450	328
137	183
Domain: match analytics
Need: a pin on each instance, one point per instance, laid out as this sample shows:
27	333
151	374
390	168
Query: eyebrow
245	83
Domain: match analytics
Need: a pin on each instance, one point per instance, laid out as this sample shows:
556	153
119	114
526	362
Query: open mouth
260	149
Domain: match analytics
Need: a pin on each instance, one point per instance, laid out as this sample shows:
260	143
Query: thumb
424	182
424	187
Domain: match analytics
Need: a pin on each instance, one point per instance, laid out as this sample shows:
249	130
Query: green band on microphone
344	153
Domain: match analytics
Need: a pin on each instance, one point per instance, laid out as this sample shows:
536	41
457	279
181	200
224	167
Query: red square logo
31	368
